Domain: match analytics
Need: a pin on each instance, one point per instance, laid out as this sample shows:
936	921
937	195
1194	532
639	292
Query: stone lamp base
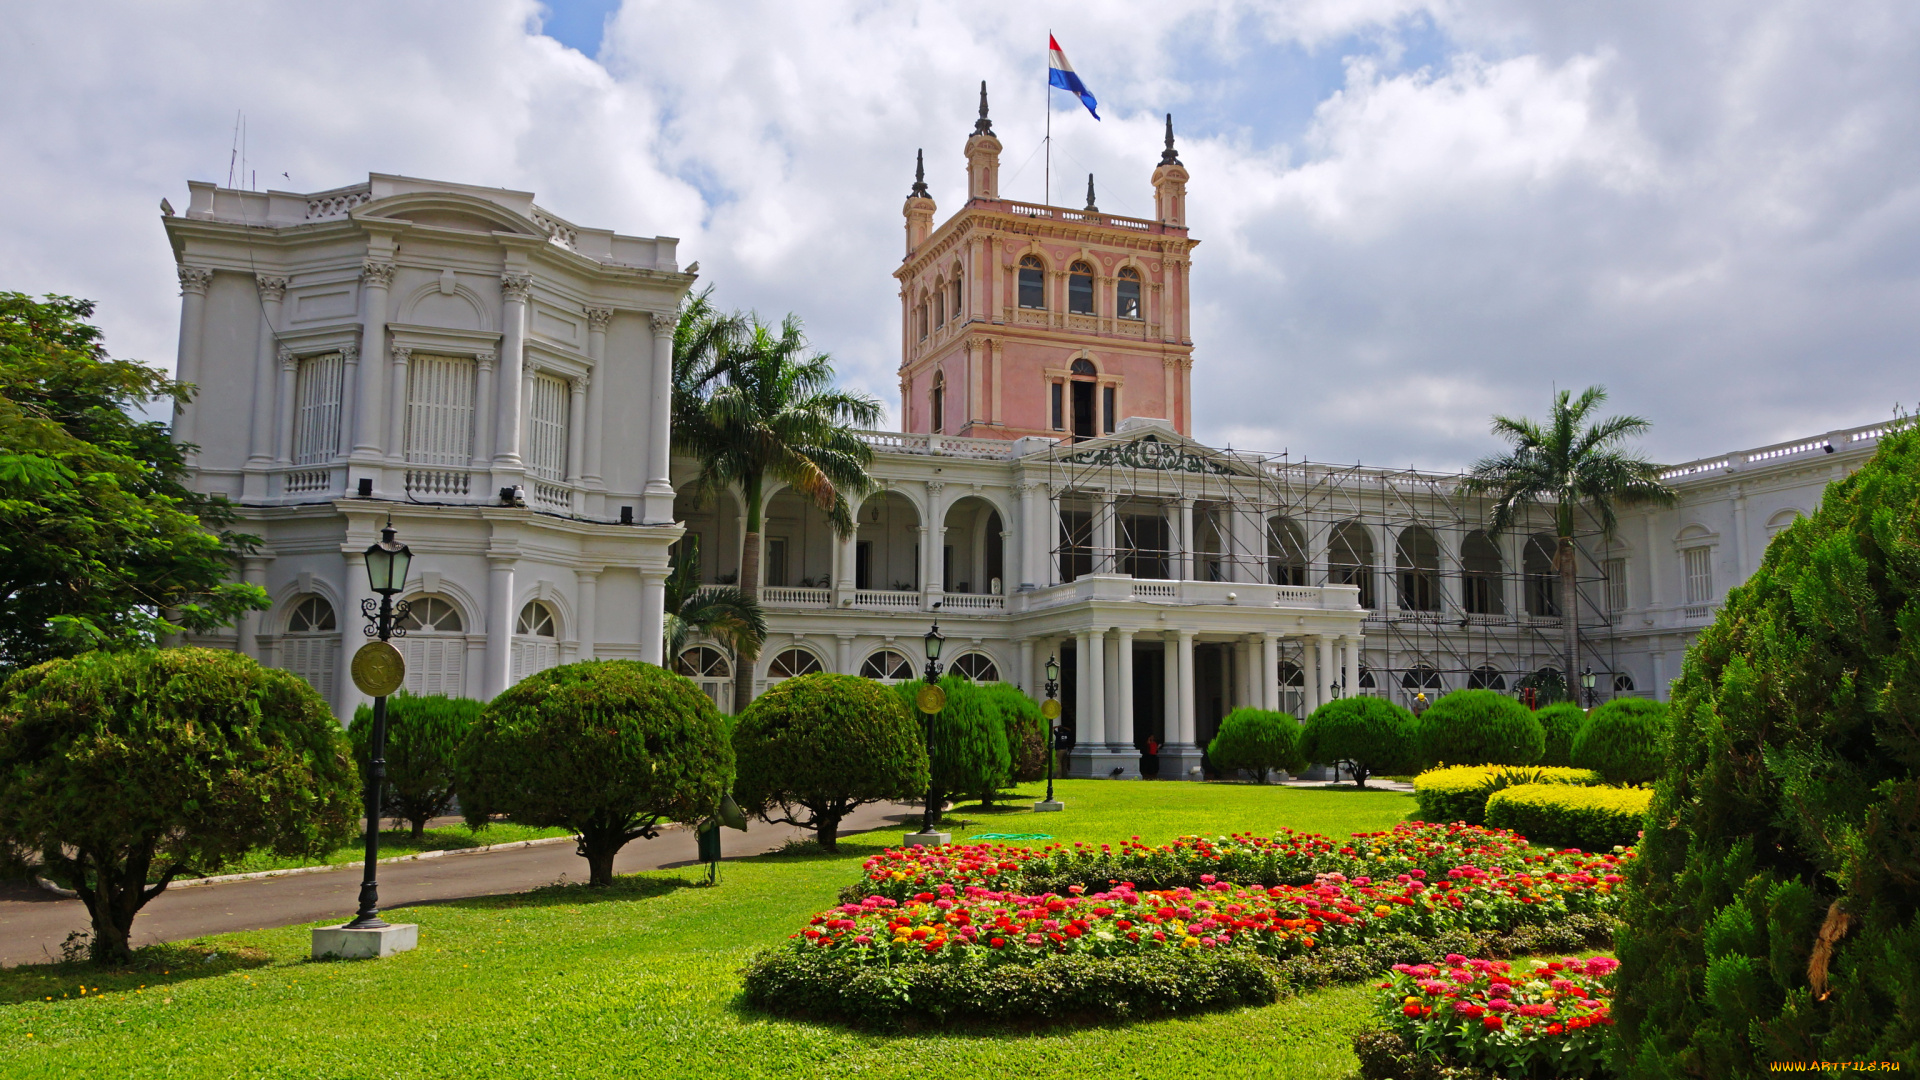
344	943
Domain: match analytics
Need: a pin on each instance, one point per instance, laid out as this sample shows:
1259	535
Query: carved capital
194	280
376	274
402	354
582	381
664	322
516	286
287	359
484	360
935	487
350	354
598	317
272	289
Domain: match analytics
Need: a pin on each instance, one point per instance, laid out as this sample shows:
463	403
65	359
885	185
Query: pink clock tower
1022	319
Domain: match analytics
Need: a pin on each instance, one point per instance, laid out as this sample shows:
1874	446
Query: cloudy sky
1413	213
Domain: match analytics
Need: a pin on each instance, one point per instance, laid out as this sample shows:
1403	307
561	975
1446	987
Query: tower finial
919	176
1091	208
983	126
1167	156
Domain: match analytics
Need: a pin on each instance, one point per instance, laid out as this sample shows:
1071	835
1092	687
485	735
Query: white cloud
1711	207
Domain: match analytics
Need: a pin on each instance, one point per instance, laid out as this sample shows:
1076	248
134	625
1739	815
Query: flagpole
1046	197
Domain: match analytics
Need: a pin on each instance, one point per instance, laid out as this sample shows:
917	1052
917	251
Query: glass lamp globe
387	563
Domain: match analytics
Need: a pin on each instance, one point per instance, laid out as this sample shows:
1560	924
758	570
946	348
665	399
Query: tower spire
1091	208
1167	156
919	176
983	126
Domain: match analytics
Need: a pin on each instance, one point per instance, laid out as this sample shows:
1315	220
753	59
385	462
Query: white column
653	614
1097	686
1312	694
1104	533
1739	535
349	399
253	571
588	633
483	411
1327	662
500	614
1084	718
1187	727
849	559
266	371
1030	559
1659	687
659	498
1123	738
843	663
1270	672
1350	660
577	436
375	277
1026	681
397	398
193	320
1170	691
597	320
283	421
1386	597
347	697
514	289
933	549
1186	540
1453	579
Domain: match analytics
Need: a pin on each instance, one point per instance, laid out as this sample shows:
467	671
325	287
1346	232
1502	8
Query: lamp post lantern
387	563
1586	684
930	700
1050	710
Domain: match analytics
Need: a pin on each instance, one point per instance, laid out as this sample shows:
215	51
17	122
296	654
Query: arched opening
887	666
1350	559
1480	567
714	522
1421	679
939	403
1486	677
1210	542
1075	539
1286	552
1128	294
1366	678
1779	522
536	645
976	667
797	550
435	647
920	317
973	558
939	303
887	544
1084	374
1293	687
1080	289
1623	683
792	663
1543	585
1417	560
1144	539
711	671
312	643
954	304
1033	283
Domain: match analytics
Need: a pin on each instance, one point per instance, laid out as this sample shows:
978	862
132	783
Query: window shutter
440	410
317	396
547	432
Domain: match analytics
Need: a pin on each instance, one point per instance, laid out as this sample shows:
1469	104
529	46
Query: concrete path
34	923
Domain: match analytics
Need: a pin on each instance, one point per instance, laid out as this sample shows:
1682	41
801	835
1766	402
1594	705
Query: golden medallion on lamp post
378	669
1050	709
931	698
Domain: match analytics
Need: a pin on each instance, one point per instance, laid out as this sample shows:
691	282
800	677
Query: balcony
1208	593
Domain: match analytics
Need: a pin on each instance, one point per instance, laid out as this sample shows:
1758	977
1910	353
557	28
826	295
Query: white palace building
495	379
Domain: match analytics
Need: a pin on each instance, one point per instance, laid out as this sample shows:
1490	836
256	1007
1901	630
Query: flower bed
1542	1018
1288	858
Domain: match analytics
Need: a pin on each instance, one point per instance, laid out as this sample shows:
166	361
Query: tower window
1033	282
954	303
1128	295
939	304
1080	289
939	400
1083	397
1106	410
1059	407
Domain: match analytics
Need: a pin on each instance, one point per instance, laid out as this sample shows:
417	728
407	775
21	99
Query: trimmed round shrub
126	769
1258	741
1026	728
1480	727
1624	740
968	753
1560	723
1773	913
1589	818
423	738
1460	792
1366	735
607	748
812	749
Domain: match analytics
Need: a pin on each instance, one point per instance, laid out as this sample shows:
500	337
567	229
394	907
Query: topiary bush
812	749
1624	740
1366	735
1460	792
1026	728
1565	815
1560	723
1480	727
424	734
968	754
1258	741
607	748
1774	911
126	769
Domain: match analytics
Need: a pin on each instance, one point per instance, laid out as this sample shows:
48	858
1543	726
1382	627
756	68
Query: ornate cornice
194	280
376	274
273	289
516	286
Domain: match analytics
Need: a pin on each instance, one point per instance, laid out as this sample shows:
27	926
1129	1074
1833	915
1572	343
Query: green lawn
640	981
396	842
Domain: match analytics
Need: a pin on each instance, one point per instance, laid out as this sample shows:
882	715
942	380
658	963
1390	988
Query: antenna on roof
233	156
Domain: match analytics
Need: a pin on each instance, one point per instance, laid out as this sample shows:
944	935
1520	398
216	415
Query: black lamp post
1586	684
1053	689
934	639
387	563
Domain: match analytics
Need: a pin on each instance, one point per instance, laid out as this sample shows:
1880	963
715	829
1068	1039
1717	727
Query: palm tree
1567	463
773	414
722	612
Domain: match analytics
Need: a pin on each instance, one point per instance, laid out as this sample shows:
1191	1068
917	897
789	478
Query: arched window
1420	678
939	400
435	647
1286	552
1083	373
1779	522
534	644
711	671
1127	297
939	303
1543	585
1366	678
1083	369
1418	570
887	666
792	663
920	318
1033	282
312	643
1291	676
1480	565
978	667
1080	289
1623	683
954	303
1485	677
1350	559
